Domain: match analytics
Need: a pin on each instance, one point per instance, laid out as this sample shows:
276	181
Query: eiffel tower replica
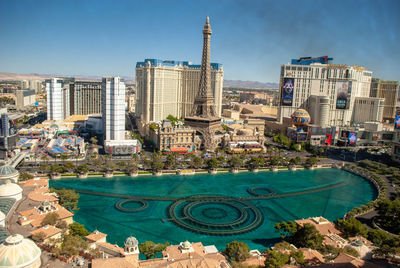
204	118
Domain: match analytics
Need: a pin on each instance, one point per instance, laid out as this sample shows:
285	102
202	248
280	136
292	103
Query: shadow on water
268	242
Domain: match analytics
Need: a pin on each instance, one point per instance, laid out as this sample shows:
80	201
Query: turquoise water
152	222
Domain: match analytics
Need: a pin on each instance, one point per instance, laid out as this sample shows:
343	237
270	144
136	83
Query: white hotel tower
113	106
55	105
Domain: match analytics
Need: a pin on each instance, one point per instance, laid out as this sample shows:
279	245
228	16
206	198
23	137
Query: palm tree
156	162
45	158
35	157
132	166
64	157
76	156
235	162
93	141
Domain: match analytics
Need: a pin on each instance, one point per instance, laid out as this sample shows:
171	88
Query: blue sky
250	38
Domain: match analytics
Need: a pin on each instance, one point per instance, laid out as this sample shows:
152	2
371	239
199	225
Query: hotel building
55	104
334	95
113	108
169	87
388	90
66	97
85	97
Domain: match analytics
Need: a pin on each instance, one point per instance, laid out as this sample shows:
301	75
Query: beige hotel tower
165	87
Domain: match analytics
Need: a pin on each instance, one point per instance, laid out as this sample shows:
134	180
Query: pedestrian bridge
13	162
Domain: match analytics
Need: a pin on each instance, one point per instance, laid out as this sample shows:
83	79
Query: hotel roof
42	194
33	217
48	230
96	236
323	226
35	182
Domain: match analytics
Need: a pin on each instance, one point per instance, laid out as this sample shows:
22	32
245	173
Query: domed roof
9	189
300	117
131	242
186	244
7	170
17	251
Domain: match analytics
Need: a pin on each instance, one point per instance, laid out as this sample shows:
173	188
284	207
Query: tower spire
204	105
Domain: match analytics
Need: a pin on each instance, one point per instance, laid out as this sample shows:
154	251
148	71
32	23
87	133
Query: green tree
55	169
255	162
174	120
69	166
295	161
39	237
72	245
298	256
235	162
93	140
153	126
378	237
212	163
109	166
82	169
68	198
156	162
237	251
311	161
121	165
44	168
149	249
45	158
286	229
351	227
282	139
351	251
308	237
132	165
389	215
98	163
276	259
78	229
64	157
170	162
296	147
196	162
50	219
25	176
275	161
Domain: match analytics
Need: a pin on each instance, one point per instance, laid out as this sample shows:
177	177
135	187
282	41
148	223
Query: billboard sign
301	137
343	94
122	149
328	139
352	138
397	121
287	92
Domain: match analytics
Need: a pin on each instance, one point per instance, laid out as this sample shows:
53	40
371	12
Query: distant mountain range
13	76
227	83
249	84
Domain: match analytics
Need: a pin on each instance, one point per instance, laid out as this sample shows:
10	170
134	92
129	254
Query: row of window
171	140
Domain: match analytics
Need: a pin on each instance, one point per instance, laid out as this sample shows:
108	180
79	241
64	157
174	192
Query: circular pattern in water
214	213
243	217
255	191
119	205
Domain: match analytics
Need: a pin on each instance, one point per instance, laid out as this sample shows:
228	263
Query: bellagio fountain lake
213	209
